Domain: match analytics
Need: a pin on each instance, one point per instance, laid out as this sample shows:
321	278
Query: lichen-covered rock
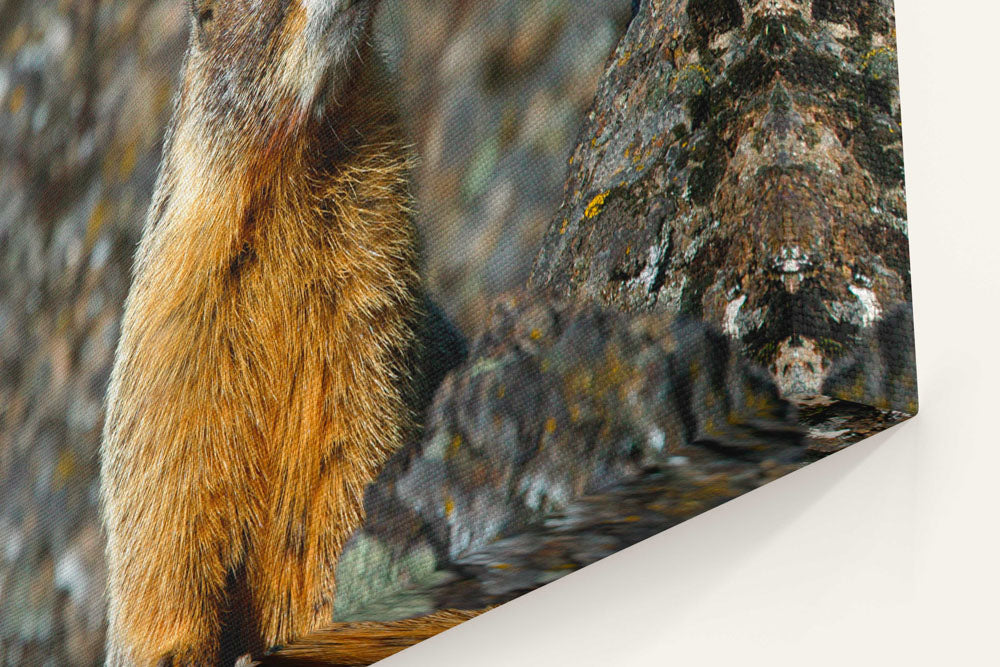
558	399
742	164
736	202
586	530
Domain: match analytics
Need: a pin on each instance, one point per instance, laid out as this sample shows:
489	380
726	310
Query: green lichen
830	348
693	80
368	571
881	64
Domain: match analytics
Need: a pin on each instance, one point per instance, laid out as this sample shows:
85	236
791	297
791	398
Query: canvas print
328	325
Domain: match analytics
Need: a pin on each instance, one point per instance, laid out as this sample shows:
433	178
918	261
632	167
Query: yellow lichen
95	225
595	205
866	59
128	161
17	99
66	466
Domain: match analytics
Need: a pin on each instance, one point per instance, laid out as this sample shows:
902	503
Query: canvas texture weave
327	325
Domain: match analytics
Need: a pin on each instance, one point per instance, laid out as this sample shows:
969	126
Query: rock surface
85	89
560	400
742	164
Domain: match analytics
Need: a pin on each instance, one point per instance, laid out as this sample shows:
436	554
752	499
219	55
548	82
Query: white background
885	554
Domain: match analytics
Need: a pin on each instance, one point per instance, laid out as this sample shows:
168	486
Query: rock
559	399
573	430
742	164
495	92
85	90
722	298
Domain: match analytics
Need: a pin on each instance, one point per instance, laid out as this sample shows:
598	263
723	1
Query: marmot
263	371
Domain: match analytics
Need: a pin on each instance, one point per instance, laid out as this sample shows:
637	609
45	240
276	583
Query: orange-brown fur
262	372
350	644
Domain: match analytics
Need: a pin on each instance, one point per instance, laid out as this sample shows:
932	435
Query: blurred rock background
493	91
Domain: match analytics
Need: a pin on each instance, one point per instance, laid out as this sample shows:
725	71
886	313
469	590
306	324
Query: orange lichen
595	205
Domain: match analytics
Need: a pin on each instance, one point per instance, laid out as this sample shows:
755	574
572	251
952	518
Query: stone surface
85	89
557	401
742	163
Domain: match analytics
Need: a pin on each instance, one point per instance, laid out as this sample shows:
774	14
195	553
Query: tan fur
349	644
261	374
